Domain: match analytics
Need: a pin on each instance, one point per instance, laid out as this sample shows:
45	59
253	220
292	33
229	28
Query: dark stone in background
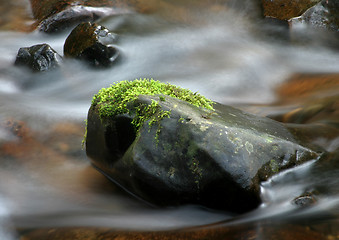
91	43
38	58
54	15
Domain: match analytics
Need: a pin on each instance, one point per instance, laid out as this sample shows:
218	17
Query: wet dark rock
38	58
214	158
286	9
54	15
91	43
323	15
308	199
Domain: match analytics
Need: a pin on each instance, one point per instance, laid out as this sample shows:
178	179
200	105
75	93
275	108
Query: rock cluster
89	42
165	144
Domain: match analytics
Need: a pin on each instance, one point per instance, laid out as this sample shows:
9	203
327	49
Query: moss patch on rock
114	100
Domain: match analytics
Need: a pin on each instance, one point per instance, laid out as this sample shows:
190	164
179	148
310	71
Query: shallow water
46	179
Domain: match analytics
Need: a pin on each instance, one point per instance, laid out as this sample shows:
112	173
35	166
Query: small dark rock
91	43
38	58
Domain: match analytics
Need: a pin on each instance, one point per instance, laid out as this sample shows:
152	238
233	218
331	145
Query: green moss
274	166
85	136
153	113
196	171
162	98
181	120
114	99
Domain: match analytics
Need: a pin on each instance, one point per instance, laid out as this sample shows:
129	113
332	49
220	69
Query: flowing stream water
223	54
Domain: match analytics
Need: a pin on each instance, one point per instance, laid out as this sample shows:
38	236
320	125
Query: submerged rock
91	43
305	200
308	85
168	146
38	58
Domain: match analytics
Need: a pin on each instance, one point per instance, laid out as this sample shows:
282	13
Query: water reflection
45	178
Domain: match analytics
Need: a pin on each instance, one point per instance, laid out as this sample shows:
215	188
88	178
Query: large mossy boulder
168	146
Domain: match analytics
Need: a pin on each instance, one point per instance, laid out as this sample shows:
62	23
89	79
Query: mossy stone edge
115	99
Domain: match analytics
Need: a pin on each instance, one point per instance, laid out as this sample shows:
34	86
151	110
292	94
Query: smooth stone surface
216	159
91	43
